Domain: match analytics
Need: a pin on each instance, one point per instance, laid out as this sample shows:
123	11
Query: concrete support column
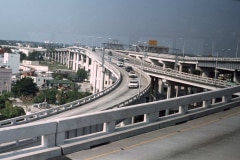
206	103
94	77
169	90
55	56
164	65
48	140
177	89
151	117
68	59
161	88
180	67
107	78
213	100
77	61
226	98
87	63
156	86
183	109
81	60
236	78
109	127
191	69
74	61
102	72
126	122
169	94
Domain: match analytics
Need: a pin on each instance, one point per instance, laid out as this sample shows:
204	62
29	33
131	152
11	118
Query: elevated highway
85	131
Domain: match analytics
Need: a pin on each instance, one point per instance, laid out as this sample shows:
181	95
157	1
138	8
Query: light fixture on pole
237	47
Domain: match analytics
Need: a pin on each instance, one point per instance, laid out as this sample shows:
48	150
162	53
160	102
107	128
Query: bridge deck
214	137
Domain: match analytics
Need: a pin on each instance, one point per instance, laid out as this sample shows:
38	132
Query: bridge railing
188	76
177	74
67	135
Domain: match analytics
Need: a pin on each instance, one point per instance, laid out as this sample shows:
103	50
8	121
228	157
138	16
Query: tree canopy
35	55
81	75
25	87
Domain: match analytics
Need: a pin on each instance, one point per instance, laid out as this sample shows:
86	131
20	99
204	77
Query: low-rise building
12	60
5	80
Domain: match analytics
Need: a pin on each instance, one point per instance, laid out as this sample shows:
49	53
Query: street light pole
215	75
237	47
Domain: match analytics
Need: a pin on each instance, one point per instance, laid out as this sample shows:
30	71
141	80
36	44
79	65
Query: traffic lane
118	95
215	137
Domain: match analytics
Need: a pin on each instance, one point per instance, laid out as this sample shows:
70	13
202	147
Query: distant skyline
198	26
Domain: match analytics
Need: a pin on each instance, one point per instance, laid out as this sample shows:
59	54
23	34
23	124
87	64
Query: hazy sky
198	25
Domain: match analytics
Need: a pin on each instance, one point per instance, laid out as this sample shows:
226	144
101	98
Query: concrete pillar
87	63
74	61
177	89
183	109
226	98
68	59
180	67
191	69
109	127
48	140
169	93
55	56
236	78
102	72
126	122
206	103
169	90
156	86
161	88
151	117
94	77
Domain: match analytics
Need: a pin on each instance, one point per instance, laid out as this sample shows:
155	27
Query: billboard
152	42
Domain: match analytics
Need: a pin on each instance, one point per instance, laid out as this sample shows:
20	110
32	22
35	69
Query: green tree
10	111
49	95
35	55
22	56
81	75
3	99
25	87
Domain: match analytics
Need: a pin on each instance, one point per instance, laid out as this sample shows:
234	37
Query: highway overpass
86	131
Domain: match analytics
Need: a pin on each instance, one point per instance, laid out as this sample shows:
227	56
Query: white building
5	80
12	60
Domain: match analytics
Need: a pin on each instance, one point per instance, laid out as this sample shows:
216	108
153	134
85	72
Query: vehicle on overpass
133	83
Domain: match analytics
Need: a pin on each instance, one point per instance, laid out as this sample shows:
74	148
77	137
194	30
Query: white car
120	64
132	74
134	83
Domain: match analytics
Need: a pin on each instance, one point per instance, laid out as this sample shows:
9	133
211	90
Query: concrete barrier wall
53	134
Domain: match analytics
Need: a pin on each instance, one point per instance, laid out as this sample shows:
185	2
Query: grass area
52	66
